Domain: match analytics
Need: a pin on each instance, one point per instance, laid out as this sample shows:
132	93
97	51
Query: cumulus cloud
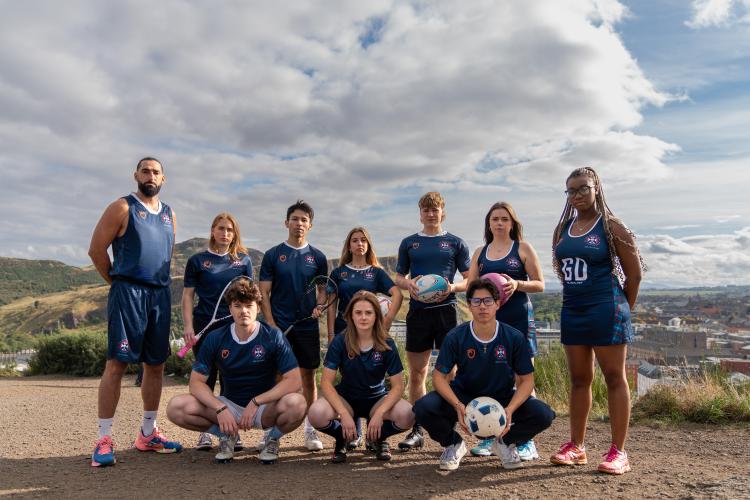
357	107
711	13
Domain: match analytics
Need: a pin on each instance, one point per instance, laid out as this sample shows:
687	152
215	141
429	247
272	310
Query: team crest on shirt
513	262
224	353
369	275
415	245
207	264
142	214
471	353
481	266
124	346
259	352
282	258
377	357
165	218
593	240
499	353
445	245
344	274
310	259
236	263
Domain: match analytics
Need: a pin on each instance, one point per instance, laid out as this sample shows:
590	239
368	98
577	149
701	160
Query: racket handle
182	352
286	332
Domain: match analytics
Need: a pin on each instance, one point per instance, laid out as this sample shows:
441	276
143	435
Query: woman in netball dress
506	252
596	259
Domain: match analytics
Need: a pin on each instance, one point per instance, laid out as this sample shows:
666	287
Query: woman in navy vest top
506	252
599	265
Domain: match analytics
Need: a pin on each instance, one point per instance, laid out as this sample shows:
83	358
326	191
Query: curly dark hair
243	290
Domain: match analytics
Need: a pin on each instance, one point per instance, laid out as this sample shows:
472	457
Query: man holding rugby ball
430	251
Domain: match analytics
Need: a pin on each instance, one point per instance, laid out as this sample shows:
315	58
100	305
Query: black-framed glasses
476	301
583	191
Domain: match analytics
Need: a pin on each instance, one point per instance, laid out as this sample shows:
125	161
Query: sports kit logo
142	214
282	258
481	266
471	353
166	219
207	264
500	353
344	274
415	245
445	245
224	353
310	259
236	263
124	346
369	275
593	240
513	262
377	357
259	352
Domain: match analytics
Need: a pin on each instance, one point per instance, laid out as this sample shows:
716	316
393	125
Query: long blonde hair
346	252
601	207
379	333
235	246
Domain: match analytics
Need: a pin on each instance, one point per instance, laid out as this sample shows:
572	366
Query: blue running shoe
527	451
104	453
483	449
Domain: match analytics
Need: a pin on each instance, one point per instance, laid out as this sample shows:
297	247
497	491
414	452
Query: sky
361	107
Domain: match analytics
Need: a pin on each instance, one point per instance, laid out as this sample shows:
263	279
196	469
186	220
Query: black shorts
306	347
361	406
426	328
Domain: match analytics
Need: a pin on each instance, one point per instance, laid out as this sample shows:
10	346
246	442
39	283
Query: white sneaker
204	442
452	455
527	451
226	449
270	453
312	441
262	443
508	454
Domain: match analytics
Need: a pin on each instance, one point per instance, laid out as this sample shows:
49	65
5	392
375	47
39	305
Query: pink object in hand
498	280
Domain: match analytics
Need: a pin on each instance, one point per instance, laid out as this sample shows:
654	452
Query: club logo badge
377	356
142	214
593	240
445	245
282	258
471	353
500	353
236	263
369	275
224	353
207	264
166	219
259	352
310	259
415	245
344	274
513	262
124	346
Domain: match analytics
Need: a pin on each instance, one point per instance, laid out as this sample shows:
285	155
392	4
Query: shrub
82	354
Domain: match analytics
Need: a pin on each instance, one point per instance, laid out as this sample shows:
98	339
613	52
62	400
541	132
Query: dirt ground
48	427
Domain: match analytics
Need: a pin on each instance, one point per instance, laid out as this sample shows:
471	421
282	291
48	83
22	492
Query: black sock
334	430
389	429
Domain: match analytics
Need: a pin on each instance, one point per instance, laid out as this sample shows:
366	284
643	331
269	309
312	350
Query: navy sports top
350	280
363	376
209	273
516	309
144	252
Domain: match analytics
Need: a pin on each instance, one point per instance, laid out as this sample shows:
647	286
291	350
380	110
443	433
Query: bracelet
221	409
255	402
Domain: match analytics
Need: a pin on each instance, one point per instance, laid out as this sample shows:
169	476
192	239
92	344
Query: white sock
149	422
308	427
105	427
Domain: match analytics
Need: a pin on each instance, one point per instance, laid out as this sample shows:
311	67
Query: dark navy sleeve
285	360
448	356
521	359
402	267
248	267
192	269
463	256
322	264
336	275
266	266
393	366
385	283
207	352
333	356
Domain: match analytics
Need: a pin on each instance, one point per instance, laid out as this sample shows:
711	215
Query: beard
149	190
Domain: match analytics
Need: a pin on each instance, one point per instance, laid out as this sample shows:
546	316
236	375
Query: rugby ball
385	304
485	417
498	280
430	287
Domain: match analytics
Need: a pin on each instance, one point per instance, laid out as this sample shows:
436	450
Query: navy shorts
138	319
426	328
361	406
306	347
607	323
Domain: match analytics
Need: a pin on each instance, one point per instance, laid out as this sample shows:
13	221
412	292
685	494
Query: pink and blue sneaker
156	442
104	453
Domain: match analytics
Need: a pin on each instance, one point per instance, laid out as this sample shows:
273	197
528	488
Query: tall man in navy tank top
141	230
490	357
285	271
430	251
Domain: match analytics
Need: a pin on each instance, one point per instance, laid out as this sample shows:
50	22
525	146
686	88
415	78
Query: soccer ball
498	280
430	287
485	417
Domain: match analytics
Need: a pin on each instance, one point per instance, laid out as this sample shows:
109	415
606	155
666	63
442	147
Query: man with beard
141	231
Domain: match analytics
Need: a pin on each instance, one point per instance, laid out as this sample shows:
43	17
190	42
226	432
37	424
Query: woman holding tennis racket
599	265
363	354
206	275
506	252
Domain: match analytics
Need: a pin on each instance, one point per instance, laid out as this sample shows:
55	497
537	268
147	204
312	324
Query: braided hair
608	217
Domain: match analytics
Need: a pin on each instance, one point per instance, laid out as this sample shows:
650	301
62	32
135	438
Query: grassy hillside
23	278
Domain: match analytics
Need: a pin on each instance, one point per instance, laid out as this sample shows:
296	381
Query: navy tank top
516	311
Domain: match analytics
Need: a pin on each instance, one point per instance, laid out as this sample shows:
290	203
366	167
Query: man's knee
115	368
294	405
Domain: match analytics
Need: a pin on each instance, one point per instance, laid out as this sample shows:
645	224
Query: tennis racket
319	294
182	352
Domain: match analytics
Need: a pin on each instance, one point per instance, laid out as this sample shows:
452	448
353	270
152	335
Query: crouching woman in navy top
248	354
600	268
364	354
491	357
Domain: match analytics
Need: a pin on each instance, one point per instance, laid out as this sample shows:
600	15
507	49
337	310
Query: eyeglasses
476	301
583	191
